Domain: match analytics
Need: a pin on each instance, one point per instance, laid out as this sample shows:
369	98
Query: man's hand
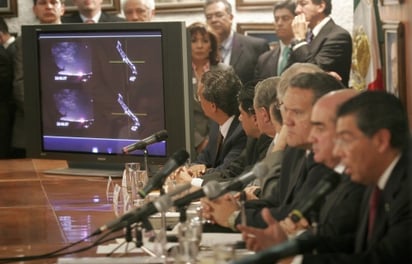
184	174
291	228
219	210
250	193
258	239
281	140
300	27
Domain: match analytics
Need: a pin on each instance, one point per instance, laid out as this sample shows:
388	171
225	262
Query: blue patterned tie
309	36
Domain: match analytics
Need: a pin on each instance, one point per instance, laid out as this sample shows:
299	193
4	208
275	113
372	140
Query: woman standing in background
205	57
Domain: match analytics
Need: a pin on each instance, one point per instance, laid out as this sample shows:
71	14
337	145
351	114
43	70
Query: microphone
156	182
258	171
162	203
299	245
156	137
324	187
210	189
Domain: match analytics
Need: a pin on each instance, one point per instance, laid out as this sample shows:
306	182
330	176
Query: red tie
373	209
219	146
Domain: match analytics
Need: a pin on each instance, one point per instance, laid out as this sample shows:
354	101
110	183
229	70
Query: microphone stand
145	161
162	238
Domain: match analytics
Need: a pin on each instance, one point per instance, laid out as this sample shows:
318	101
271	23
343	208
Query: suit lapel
361	234
316	43
388	195
296	174
237	50
226	142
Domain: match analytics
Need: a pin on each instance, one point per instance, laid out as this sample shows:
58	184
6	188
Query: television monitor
92	89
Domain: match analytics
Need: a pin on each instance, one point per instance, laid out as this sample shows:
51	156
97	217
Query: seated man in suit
90	11
373	144
318	40
254	105
237	50
217	93
274	61
299	172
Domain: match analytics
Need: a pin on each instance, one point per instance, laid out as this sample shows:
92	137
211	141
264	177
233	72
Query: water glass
223	253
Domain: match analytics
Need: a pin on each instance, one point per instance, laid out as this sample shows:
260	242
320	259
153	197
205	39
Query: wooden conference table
40	213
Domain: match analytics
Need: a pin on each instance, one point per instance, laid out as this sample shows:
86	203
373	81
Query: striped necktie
309	36
373	209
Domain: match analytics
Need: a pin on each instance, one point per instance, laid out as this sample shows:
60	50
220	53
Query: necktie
284	59
373	209
89	21
309	36
218	147
223	53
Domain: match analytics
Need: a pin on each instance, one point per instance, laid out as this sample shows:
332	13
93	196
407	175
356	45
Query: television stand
85	172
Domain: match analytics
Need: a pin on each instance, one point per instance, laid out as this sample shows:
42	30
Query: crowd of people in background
288	107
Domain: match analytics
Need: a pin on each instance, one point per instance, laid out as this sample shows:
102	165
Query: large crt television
92	89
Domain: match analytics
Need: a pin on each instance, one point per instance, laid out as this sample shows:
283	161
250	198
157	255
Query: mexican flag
366	70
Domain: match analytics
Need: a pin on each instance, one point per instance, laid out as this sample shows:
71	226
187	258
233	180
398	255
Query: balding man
139	10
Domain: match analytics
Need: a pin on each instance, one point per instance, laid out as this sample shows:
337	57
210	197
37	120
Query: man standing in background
7	51
47	12
139	10
273	62
237	50
318	40
90	11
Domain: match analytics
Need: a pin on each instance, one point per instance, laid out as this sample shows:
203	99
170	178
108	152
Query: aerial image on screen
101	91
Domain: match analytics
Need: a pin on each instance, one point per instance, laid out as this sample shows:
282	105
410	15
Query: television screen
93	89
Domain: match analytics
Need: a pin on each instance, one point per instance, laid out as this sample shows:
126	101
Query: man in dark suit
373	144
254	103
240	51
47	12
217	96
7	52
90	11
318	40
274	61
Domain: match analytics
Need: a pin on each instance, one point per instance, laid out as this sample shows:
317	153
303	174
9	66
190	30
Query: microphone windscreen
180	156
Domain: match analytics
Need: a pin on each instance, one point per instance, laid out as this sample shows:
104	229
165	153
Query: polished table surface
40	213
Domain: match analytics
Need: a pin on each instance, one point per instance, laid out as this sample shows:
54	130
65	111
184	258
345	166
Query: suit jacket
255	151
294	169
231	147
274	162
245	53
18	138
75	18
331	50
391	238
267	64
